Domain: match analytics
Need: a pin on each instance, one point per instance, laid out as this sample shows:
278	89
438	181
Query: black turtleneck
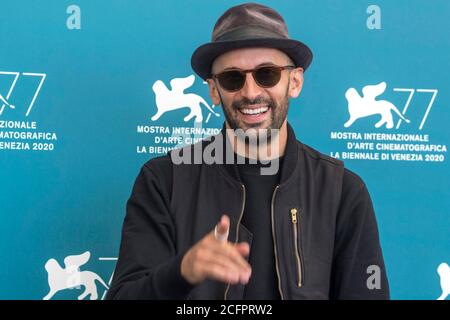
259	188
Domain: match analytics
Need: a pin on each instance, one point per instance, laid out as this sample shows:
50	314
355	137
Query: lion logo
71	277
360	107
174	99
444	273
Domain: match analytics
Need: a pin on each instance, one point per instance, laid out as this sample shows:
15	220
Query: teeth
254	111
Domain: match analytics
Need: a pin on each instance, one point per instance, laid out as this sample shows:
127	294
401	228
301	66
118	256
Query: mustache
258	100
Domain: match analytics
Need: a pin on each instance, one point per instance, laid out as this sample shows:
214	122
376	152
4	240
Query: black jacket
324	253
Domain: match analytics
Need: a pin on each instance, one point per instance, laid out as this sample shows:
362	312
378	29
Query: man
225	230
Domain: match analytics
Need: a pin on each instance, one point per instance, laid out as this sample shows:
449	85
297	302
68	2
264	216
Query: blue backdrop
77	97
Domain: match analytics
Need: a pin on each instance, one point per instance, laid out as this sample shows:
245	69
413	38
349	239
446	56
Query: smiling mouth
254	111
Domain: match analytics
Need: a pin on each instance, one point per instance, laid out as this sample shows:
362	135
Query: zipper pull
294	215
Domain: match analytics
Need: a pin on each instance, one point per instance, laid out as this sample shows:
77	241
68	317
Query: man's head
255	106
246	37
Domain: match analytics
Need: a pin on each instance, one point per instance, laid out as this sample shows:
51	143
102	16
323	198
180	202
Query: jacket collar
289	163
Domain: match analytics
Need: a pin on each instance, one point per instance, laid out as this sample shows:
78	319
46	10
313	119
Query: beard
263	131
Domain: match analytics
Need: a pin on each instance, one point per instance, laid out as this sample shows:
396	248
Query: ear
296	82
213	91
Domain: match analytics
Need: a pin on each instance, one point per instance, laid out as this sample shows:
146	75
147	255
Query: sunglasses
265	76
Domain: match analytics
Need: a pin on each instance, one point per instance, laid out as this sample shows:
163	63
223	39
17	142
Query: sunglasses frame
252	71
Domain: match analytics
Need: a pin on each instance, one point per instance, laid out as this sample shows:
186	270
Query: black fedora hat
244	26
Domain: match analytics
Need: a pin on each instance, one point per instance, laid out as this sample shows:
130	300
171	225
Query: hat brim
203	56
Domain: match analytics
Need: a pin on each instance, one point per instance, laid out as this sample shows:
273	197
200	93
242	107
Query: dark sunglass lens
267	76
231	80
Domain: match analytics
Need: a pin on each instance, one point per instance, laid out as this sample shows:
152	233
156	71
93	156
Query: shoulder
318	156
351	181
161	165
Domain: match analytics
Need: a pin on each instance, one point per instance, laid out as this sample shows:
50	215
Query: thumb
222	229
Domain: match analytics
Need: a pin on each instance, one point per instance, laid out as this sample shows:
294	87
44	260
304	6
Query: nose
250	90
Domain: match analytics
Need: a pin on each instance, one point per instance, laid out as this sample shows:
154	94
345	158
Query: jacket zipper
275	243
237	233
295	218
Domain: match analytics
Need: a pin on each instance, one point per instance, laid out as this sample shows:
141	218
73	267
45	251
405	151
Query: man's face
236	105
